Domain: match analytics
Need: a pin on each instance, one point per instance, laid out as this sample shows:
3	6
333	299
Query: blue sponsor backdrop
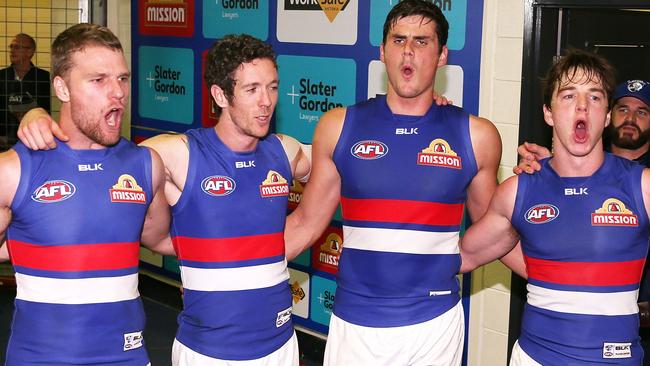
337	72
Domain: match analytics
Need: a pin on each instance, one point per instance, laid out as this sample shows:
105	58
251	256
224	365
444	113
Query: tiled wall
43	20
499	102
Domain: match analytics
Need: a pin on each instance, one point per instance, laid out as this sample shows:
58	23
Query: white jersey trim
588	303
234	279
400	240
94	290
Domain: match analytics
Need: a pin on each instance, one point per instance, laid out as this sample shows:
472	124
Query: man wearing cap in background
628	136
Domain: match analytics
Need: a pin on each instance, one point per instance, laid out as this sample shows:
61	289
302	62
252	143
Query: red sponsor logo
127	190
218	185
369	150
54	191
327	250
166	17
439	154
542	213
614	213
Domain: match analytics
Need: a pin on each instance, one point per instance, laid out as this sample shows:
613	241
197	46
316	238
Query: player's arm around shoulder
645	188
155	233
486	144
175	155
493	235
322	192
299	156
10	173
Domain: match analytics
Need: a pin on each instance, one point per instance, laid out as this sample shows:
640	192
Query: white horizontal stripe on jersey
588	303
233	279
400	240
69	291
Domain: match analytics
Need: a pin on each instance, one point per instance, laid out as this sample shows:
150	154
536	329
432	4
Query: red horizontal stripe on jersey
586	273
229	249
402	211
75	258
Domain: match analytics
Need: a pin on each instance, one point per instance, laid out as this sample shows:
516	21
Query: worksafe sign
166	84
318	21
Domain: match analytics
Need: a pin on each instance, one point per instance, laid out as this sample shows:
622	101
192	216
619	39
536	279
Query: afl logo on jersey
369	150
542	213
54	191
218	185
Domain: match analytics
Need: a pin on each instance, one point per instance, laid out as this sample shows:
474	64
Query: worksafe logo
317	21
454	10
310	87
614	213
54	191
439	154
299	284
127	190
222	17
218	185
274	185
166	17
331	8
166	84
542	213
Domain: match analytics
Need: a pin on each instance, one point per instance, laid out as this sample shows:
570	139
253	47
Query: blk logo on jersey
439	154
127	190
614	213
542	213
297	293
218	185
369	150
54	191
330	250
274	185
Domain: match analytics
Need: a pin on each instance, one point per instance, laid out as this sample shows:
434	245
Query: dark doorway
614	29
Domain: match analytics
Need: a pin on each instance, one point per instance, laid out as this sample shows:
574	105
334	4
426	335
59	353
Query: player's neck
567	165
414	106
630	154
77	141
231	136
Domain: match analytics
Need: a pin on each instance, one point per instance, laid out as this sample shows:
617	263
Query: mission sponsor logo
295	194
127	190
331	8
274	185
369	150
614	213
330	250
167	17
218	185
54	191
542	213
439	154
326	252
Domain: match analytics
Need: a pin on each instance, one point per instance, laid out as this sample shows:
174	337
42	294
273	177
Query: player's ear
219	96
61	89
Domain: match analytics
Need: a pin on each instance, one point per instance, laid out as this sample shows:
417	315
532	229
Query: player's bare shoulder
10	173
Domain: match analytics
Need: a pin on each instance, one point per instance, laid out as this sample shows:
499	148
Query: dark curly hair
230	52
425	9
